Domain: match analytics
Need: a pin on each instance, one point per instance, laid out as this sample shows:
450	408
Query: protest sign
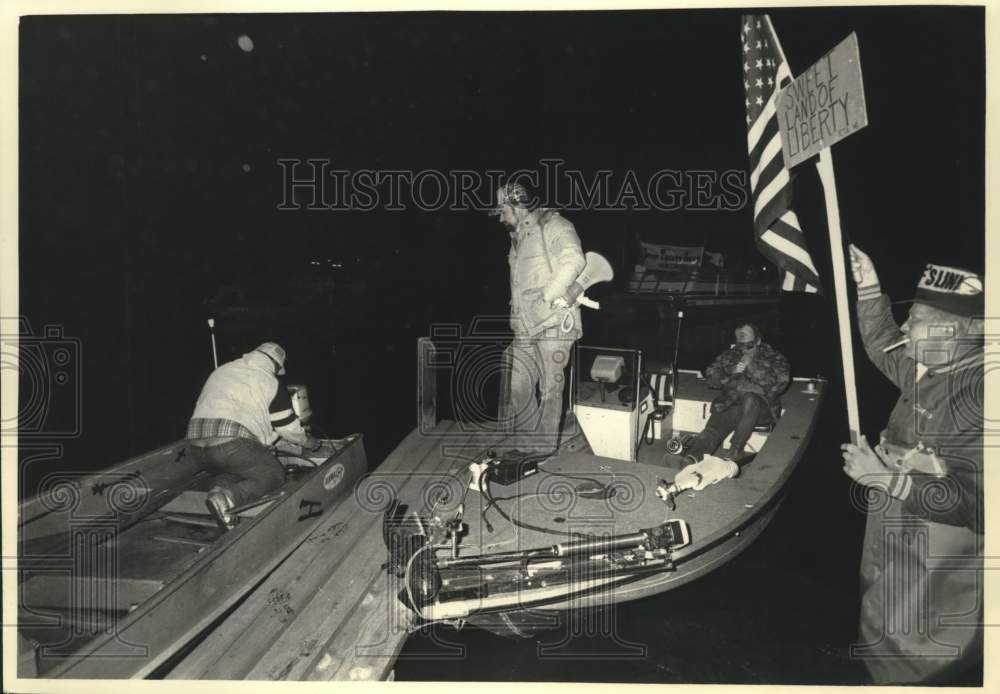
823	105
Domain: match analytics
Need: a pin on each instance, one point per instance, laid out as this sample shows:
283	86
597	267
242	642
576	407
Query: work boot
220	505
736	455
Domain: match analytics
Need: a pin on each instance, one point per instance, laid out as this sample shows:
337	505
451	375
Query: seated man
752	375
243	409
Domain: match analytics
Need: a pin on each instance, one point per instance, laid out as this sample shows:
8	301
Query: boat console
625	404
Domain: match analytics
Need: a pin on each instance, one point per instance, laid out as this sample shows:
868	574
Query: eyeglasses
746	346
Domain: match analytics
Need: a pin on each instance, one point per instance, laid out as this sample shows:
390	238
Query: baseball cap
277	354
951	289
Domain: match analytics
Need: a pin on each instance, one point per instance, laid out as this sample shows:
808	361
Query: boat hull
217	573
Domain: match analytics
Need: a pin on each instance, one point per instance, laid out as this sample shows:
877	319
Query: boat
601	521
427	537
120	569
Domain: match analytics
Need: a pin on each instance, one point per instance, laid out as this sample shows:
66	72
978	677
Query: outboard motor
300	403
410	539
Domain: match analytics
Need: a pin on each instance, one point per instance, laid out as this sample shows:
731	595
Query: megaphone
597	269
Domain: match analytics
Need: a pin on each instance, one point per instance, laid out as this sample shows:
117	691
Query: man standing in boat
921	567
751	375
243	409
545	260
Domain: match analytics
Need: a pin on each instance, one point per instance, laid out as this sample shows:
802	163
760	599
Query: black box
509	471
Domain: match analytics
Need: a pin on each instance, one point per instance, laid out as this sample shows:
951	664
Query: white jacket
544	262
242	391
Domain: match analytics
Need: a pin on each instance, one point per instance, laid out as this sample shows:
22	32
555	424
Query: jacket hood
259	360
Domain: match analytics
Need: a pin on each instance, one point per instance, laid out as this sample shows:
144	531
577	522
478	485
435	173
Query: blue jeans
739	419
243	467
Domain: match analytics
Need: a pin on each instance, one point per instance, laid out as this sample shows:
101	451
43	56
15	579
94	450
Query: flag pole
825	168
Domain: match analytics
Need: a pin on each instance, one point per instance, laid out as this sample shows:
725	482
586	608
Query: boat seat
192	505
662	383
62	590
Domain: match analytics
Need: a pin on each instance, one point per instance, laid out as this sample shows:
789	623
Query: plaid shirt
213	428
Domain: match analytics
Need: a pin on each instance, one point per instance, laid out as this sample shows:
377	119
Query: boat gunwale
220	546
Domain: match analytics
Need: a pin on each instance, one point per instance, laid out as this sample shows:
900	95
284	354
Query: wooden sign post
823	105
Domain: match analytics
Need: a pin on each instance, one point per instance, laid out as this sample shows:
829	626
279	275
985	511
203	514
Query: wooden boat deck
331	612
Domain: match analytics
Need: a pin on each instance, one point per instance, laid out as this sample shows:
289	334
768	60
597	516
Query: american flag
776	227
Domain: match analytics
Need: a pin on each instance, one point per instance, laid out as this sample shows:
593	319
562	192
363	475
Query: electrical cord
491	502
573	477
406	580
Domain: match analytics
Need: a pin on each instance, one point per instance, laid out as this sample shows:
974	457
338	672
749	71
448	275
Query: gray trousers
243	467
534	406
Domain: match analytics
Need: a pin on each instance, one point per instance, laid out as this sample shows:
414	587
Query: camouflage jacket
769	370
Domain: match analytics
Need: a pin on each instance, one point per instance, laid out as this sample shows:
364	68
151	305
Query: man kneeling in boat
752	375
243	409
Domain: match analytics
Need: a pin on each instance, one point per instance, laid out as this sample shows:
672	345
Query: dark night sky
135	204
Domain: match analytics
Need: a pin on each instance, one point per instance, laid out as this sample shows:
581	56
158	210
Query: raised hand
862	267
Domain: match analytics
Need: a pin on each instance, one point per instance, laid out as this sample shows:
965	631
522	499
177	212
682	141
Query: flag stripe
770	172
777	229
794	283
757	129
791	219
770	133
786	263
767	156
766	194
794	240
791	255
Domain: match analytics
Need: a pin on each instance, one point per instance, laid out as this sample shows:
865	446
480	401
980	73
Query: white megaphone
597	269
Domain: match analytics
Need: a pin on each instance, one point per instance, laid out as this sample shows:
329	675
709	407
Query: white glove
709	471
862	267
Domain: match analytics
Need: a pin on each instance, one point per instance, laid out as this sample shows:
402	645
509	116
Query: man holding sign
921	568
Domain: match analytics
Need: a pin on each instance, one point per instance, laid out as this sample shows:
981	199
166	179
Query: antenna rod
215	354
